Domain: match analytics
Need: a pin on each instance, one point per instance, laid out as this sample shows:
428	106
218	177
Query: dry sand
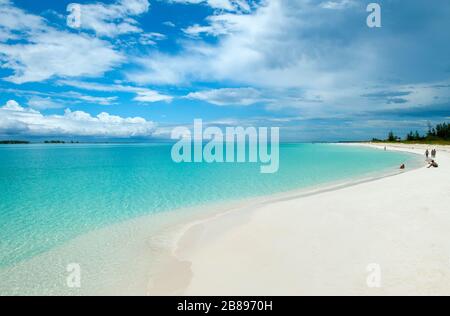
329	243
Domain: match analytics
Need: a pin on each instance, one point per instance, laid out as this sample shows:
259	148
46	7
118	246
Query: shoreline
199	240
151	250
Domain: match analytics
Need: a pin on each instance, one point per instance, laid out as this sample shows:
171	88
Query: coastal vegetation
439	135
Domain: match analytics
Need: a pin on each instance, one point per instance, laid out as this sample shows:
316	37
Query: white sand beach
324	243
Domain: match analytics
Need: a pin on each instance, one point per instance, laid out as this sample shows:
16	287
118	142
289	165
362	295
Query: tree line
440	132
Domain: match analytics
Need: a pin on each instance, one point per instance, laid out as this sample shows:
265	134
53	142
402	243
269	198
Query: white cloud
338	4
218	25
54	53
69	97
15	120
226	5
39	103
223	24
152	96
151	38
165	69
90	99
45	52
229	96
4	35
169	24
115	19
265	47
14	21
221	4
142	94
12	106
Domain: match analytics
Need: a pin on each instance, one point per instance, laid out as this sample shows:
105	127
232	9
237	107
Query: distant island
59	142
438	135
13	142
24	142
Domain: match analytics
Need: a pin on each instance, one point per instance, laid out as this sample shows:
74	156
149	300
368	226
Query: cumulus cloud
44	52
12	105
15	119
229	96
111	20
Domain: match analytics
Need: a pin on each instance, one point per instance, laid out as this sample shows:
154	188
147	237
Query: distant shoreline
14	142
403	142
61	142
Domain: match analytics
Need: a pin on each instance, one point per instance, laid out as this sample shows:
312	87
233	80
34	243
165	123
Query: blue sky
138	68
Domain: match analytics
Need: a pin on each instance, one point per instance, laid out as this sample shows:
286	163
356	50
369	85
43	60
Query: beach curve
324	243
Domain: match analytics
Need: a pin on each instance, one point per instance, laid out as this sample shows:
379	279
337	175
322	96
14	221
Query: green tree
392	137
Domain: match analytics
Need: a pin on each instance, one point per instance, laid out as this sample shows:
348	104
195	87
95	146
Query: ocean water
50	194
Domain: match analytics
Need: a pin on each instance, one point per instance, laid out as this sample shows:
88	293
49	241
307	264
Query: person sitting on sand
433	164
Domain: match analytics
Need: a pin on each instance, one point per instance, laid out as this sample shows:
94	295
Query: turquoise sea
50	194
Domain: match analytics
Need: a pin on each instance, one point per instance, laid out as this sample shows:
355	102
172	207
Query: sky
135	69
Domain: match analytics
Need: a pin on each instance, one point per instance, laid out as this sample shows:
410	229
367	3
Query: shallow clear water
52	193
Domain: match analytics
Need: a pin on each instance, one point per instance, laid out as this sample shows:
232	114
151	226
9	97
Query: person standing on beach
427	153
433	153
